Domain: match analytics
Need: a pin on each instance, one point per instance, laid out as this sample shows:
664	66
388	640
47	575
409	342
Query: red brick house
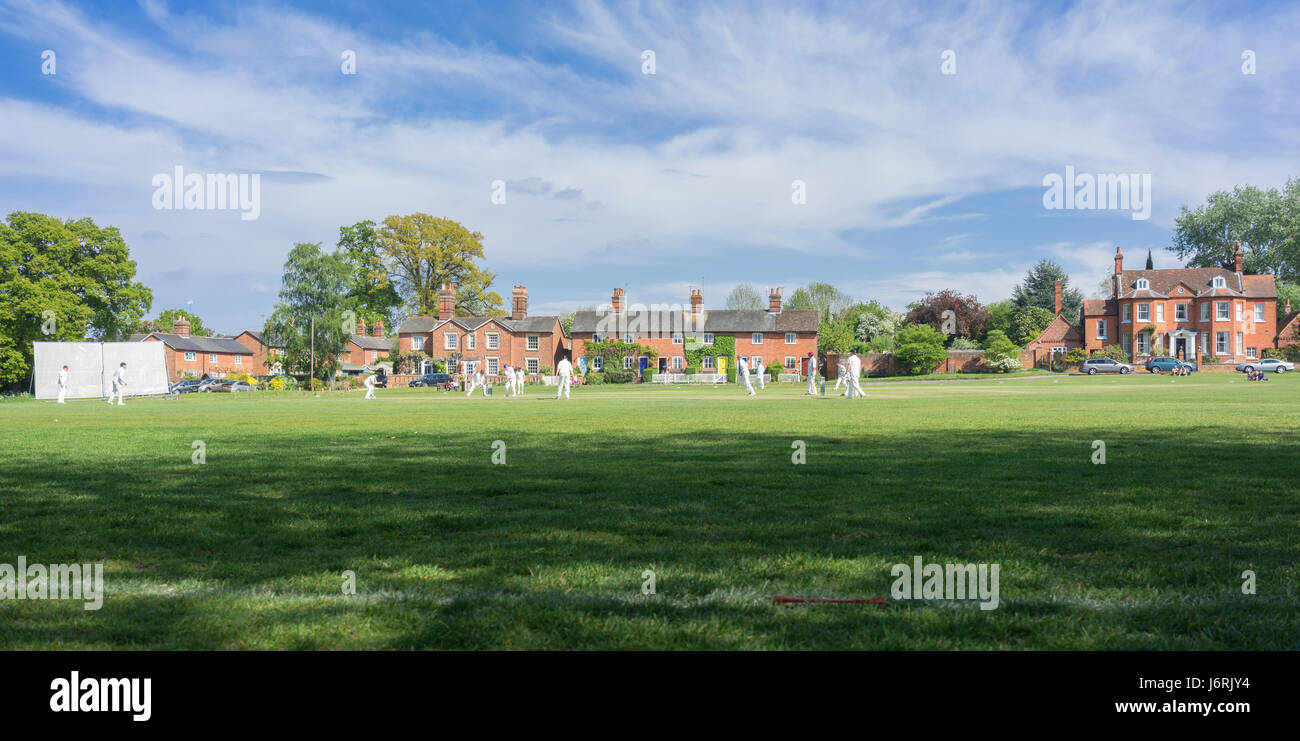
187	355
469	343
365	350
779	337
1189	313
1059	336
256	342
1288	328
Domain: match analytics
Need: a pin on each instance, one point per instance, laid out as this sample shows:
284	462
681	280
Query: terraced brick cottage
189	355
1190	313
779	337
468	343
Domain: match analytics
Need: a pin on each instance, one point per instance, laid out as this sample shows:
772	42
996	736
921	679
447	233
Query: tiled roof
1100	307
367	342
533	324
191	343
1284	321
1197	282
724	320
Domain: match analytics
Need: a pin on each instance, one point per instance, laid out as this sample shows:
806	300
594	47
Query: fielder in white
742	370
370	386
761	370
512	382
63	384
564	369
812	375
519	381
855	372
839	375
119	385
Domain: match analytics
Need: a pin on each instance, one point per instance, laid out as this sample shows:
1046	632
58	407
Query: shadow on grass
1145	551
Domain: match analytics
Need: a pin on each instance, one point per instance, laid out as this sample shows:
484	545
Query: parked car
232	387
188	386
434	380
207	384
1267	364
1093	366
1166	364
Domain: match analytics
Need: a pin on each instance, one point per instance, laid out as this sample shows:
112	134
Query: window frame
191	356
755	338
450	341
533	343
493	340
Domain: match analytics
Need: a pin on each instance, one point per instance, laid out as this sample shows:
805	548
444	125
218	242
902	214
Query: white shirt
564	367
370	381
855	365
63	378
742	366
812	364
119	378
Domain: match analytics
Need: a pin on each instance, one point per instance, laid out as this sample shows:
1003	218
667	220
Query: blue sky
915	180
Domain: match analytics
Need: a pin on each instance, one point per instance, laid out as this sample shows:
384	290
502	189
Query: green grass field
246	551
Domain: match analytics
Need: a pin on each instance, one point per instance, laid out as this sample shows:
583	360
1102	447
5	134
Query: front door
663	364
645	363
1180	348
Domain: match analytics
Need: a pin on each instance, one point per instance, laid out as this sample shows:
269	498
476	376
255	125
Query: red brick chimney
774	301
1237	257
379	328
616	301
1119	269
519	303
181	327
361	327
697	301
1058	297
447	301
1288	306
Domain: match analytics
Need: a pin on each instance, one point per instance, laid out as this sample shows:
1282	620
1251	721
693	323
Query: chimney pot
1237	257
181	327
774	301
379	328
519	303
697	301
616	301
447	301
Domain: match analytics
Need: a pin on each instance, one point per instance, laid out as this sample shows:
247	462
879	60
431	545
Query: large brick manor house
1190	313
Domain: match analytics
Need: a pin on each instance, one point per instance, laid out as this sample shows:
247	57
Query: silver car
1266	365
1093	366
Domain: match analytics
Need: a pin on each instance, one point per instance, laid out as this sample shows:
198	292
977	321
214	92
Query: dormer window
1217	282
1143	284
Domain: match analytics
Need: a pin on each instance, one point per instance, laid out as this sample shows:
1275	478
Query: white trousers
370	392
762	382
744	379
563	386
838	380
855	388
119	392
63	391
812	383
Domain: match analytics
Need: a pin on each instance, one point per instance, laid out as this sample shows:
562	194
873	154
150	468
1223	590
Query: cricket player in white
564	369
839	375
761	370
370	386
509	374
742	370
63	384
520	378
812	375
855	372
477	381
119	385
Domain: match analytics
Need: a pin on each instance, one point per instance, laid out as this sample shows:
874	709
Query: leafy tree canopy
968	314
59	281
1266	222
313	318
745	296
1039	289
422	252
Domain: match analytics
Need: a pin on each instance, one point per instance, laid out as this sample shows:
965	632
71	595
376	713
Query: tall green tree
824	297
1028	322
167	317
745	296
1039	289
1000	313
313	311
422	252
59	281
877	325
371	292
1265	221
